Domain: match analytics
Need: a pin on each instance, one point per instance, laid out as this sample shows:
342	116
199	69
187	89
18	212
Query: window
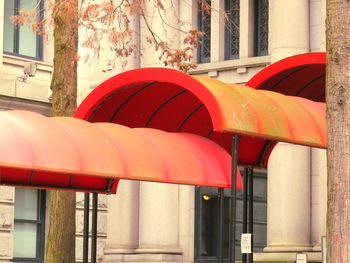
232	8
21	40
261	9
207	220
29	227
204	25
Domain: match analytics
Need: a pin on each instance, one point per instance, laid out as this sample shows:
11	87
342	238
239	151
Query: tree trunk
60	247
338	130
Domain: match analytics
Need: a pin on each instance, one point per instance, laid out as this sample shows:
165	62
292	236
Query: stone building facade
152	222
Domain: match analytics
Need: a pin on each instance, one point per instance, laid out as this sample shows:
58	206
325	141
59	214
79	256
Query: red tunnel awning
170	100
69	153
301	75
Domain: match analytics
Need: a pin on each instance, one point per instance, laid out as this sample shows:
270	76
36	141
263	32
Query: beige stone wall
35	88
6	222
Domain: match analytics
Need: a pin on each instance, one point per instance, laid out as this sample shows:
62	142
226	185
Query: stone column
97	70
186	221
122	221
155	21
217	31
319	197
323	26
317	25
2	12
289	182
288	213
289	23
246	29
159	219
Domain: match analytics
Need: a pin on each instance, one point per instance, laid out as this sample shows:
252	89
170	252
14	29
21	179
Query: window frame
40	230
257	29
16	35
228	31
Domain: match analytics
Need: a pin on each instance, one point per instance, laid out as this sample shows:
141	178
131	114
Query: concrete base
286	257
159	250
317	248
140	258
288	248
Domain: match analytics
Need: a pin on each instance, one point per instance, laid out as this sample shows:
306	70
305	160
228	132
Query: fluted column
2	12
289	23
323	26
158	219
288	214
319	197
289	179
122	221
164	25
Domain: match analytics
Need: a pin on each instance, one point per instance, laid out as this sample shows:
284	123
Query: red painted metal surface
68	153
173	101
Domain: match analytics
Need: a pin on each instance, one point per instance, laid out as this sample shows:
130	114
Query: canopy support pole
221	226
94	228
251	208
245	210
86	228
233	200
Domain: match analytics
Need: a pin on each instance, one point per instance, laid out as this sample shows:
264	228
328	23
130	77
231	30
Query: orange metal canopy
170	100
69	153
267	114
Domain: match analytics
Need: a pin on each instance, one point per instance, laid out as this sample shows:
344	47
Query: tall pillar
288	212
217	31
246	29
96	70
186	221
319	197
317	25
122	221
323	26
289	23
289	179
158	219
164	24
2	11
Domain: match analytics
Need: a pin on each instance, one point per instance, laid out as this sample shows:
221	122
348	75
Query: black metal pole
94	228
221	226
198	224
86	228
233	200
245	210
251	209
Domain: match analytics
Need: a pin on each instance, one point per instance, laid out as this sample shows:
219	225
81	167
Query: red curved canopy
169	100
69	153
300	75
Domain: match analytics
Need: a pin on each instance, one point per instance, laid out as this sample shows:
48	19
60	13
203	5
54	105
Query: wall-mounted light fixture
206	197
29	70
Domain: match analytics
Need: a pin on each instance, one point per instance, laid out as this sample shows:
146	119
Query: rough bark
338	130
60	246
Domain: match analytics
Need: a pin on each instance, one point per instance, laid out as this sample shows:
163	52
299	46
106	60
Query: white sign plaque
246	243
301	258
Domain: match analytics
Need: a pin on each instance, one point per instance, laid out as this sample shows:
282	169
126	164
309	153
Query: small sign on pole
301	258
246	243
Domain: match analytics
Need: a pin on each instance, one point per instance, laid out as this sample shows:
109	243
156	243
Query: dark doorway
207	218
